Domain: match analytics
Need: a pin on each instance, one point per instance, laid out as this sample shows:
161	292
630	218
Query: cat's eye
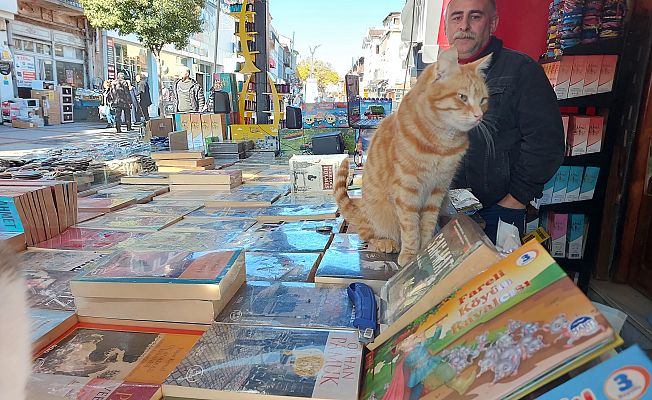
464	97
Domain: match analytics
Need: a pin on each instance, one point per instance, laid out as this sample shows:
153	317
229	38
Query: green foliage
155	22
323	73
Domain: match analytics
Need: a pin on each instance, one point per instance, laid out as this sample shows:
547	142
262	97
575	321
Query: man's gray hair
121	75
183	69
492	3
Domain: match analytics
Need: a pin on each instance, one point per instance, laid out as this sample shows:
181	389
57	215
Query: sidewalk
15	143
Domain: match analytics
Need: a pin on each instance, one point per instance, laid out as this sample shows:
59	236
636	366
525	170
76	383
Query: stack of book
206	180
39	209
229	151
176	161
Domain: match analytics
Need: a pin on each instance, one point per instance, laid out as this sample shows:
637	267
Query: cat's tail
15	347
346	205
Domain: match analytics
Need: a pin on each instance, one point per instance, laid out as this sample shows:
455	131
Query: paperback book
50	289
289	304
131	223
104	205
160	209
297	212
243	199
182	241
47	325
63	387
348	242
90	239
196	225
281	267
283	241
345	267
57	260
204	214
264	362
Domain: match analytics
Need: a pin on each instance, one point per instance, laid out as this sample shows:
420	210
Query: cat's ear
447	63
482	65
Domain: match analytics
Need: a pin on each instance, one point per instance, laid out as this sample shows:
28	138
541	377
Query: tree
155	22
323	73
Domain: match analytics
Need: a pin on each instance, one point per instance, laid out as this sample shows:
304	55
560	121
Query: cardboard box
578	135
218	125
195	138
548	188
22	124
206	126
552	72
589	182
160	126
578	73
558	228
184	122
576	223
561	183
564	77
596	132
574	183
607	74
178	140
592	77
312	173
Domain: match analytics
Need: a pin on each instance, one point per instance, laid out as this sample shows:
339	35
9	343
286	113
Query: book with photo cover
49	289
232	361
56	260
131	353
289	304
131	223
345	267
89	239
63	387
281	267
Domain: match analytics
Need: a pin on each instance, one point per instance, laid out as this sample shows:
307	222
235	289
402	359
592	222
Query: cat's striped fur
413	157
15	339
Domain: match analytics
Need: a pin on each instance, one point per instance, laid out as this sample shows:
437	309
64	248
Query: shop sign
25	70
110	58
5	67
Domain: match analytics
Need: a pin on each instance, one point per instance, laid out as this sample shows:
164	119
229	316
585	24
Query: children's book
57	260
49	289
344	267
517	322
90	239
281	267
289	304
64	387
232	361
131	223
132	353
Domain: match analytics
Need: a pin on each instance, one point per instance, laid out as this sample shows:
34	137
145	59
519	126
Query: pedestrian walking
144	97
189	95
120	99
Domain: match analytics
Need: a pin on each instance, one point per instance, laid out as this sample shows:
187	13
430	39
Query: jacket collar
494	46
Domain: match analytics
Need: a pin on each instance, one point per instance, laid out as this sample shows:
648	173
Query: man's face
469	25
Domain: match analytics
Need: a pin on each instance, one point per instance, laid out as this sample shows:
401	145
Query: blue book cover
9	218
589	183
44	321
625	376
574	183
561	183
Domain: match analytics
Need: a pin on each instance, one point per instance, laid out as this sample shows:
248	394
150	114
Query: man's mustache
463	35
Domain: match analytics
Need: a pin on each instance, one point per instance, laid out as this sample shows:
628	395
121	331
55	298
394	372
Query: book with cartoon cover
289	304
131	223
131	353
63	387
49	289
90	239
196	225
281	267
343	267
298	212
517	322
57	260
233	361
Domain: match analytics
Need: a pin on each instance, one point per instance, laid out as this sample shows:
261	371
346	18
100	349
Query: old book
194	195
64	387
131	223
281	267
184	163
122	188
289	304
196	225
131	353
211	188
160	209
223	213
177	155
47	325
89	239
348	242
498	336
268	180
146	179
57	260
264	362
306	198
283	241
243	199
49	289
104	205
160	275
345	267
458	252
87	216
175	170
306	212
216	177
182	241
140	197
323	226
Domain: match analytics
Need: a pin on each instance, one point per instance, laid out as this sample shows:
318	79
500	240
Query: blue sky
338	25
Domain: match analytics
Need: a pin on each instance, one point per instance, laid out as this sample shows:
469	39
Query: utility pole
217	35
312	60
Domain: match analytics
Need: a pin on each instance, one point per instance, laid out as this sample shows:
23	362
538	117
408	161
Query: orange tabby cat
413	157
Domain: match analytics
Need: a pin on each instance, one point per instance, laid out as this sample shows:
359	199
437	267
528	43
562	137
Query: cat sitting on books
15	339
414	155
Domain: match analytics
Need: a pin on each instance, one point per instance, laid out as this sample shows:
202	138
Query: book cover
513	324
89	239
44	321
10	221
159	209
578	135
574	183
139	197
149	189
137	354
182	241
50	289
607	73
243	199
146	178
289	304
298	212
224	213
350	266
283	241
589	182
558	228
561	183
268	180
305	198
281	267
596	132
323	226
131	223
62	387
194	195
623	376
196	225
576	225
104	205
215	177
578	73
593	66
264	361
348	241
548	188
57	260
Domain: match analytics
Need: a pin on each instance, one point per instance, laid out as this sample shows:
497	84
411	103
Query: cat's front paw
384	246
405	257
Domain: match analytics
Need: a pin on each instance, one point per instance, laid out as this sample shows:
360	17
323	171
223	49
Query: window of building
70	74
47	70
397	20
18	44
28	45
58	50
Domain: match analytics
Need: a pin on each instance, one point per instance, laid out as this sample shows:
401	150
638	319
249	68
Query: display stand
66	96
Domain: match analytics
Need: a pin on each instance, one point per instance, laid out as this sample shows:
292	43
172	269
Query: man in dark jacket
120	98
188	93
520	145
143	95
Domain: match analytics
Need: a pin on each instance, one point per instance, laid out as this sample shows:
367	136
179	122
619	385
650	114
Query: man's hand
510	202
